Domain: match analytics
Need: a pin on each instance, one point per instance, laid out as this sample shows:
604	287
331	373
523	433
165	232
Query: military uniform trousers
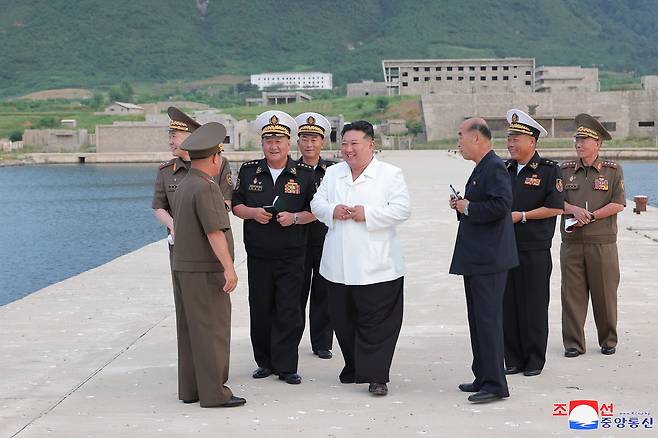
315	285
525	310
367	320
589	269
484	303
275	314
203	323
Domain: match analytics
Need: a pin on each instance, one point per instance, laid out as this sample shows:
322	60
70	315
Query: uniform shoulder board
330	162
567	164
167	163
610	164
548	162
249	163
304	166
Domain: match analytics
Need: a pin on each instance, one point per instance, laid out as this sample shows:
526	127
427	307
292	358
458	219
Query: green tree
122	92
46	122
15	136
414	127
381	104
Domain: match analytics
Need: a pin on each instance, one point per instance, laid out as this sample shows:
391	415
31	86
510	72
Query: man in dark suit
485	250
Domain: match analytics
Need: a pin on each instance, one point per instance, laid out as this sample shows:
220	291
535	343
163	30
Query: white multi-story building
294	80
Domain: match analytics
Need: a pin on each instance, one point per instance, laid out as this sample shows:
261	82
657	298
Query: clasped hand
344	213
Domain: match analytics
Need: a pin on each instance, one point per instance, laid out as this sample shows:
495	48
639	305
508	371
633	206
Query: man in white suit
361	201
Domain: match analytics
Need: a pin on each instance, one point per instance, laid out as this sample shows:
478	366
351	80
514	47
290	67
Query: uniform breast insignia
293	171
229	180
571	178
601	183
256	186
558	185
533	180
571	186
292	188
568	164
172	187
534	165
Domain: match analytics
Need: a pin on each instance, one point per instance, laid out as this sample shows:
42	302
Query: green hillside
93	43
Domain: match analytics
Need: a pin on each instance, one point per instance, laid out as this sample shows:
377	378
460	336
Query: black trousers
315	285
525	310
484	301
367	320
275	315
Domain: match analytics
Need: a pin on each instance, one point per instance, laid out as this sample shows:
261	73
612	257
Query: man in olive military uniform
204	274
171	173
594	195
314	131
538	199
273	197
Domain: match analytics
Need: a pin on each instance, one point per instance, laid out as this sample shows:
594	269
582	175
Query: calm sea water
58	221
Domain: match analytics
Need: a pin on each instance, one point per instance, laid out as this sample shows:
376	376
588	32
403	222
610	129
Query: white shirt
275	173
359	253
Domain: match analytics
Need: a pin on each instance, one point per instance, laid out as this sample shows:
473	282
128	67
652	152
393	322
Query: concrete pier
95	355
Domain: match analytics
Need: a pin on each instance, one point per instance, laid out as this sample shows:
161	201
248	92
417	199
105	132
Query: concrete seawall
95	355
240	156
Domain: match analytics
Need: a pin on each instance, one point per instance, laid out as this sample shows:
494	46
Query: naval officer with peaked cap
273	197
537	199
314	131
594	195
204	274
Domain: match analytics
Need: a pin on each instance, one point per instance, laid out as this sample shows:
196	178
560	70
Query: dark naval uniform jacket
255	188
538	184
317	230
485	239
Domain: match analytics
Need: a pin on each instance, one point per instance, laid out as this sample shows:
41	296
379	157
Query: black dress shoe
233	402
261	373
571	352
192	400
608	350
323	354
378	388
468	387
512	370
531	373
483	397
292	378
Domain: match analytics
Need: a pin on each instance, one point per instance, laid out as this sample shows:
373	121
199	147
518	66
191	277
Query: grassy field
20	115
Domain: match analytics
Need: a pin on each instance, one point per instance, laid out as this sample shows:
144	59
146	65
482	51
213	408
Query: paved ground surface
95	355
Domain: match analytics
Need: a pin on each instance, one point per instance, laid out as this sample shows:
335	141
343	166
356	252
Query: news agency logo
590	414
583	414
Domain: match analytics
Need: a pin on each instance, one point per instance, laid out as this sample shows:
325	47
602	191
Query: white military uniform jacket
359	253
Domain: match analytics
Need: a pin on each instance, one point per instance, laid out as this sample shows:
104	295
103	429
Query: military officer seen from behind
273	197
204	274
594	195
537	199
314	131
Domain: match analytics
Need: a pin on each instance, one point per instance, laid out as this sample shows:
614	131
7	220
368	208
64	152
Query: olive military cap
588	126
205	141
181	121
